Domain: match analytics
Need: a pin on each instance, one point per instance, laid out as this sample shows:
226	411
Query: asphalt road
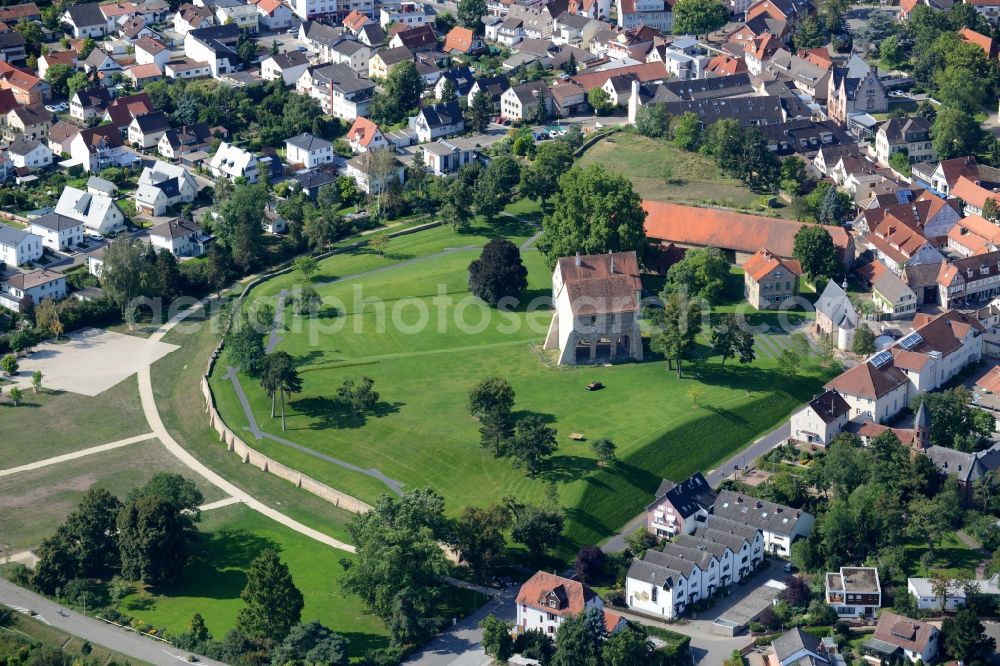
461	645
95	631
716	476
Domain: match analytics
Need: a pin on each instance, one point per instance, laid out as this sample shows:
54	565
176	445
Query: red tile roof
724	65
991	380
980	40
362	131
569	596
973	194
355	20
714	227
459	40
867	381
647	71
764	261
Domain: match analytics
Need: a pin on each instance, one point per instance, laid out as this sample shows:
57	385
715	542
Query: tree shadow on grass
309	357
566	469
332	413
519	414
502	226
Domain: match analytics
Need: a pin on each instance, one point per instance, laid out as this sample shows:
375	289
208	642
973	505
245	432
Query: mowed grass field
231	537
51	423
693	177
34	502
420	432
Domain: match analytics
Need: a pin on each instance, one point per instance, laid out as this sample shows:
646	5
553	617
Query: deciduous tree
498	273
532	443
492	402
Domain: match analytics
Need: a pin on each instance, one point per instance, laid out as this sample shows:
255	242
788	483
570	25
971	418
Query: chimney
578	262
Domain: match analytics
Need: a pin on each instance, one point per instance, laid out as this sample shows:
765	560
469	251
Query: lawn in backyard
662	172
420	432
34	502
52	423
230	538
951	557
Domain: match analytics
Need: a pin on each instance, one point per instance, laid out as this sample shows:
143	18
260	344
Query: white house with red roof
769	281
597	300
365	135
546	600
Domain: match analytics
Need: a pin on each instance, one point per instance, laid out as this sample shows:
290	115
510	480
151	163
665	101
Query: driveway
461	645
95	631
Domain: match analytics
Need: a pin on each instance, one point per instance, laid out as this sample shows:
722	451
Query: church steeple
922	426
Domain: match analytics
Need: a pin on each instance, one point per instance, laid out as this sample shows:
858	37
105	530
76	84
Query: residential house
97	185
523	101
139	75
926	213
68	58
848	95
590	9
27	88
568	98
288	67
854	591
898	245
656	14
32	286
233	162
509	32
307	10
892	296
822	419
18	247
360	169
780	525
463	41
273	222
371	34
135	28
151	52
351	53
897	635
163	185
116	13
381	63
955	597
575	29
341	91
12	47
408	13
597	309
236	12
273	14
60	136
28	122
365	135
973	235
98	212
439	120
546	600
215	45
86	20
29	154
89	103
990	9
13	14
769	281
876	390
121	112
192	17
186	139
449	155
179	237
494	86
57	232
461	78
795	648
145	131
676	506
968	280
898	134
308	150
973	195
186	68
417	39
101	65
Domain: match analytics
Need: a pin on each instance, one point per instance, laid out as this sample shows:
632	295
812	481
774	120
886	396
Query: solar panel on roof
880	359
911	341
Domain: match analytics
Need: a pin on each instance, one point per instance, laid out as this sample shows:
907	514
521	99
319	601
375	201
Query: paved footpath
461	645
110	636
159	430
55	460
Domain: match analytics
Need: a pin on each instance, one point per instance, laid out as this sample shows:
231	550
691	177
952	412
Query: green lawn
32	503
211	583
421	434
952	557
50	423
694	178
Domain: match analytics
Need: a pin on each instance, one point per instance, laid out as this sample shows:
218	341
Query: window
654	594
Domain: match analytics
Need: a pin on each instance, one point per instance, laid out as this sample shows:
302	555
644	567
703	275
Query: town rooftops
968	467
56	222
93	97
363	131
11	237
22	146
764	261
459	40
687	497
943	335
977	267
761	514
30	279
86	15
152	122
554	594
714	227
149	45
871	379
829	406
792	642
290	59
175	228
395	55
418	37
343	79
308	142
442	115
